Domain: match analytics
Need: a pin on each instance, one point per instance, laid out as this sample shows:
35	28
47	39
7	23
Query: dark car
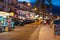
21	22
18	22
28	21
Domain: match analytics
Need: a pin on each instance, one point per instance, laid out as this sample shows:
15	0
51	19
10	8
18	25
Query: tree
37	2
40	3
50	3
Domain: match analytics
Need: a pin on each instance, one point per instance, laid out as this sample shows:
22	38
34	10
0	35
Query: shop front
5	21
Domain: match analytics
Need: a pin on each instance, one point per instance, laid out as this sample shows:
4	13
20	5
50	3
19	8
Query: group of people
50	21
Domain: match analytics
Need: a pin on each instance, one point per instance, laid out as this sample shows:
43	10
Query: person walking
9	23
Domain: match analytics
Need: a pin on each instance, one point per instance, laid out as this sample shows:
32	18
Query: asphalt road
26	32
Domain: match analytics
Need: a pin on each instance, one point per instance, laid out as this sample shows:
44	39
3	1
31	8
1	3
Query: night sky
54	2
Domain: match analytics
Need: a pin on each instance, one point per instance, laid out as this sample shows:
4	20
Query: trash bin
6	29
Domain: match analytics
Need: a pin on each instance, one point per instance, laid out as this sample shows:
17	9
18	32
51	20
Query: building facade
6	4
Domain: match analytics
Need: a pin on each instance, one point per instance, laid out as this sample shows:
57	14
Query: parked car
21	22
28	21
57	27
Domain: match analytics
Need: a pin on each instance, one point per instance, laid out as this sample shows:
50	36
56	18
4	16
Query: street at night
21	33
29	19
30	32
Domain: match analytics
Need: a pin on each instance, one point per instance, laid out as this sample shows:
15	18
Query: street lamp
28	4
35	9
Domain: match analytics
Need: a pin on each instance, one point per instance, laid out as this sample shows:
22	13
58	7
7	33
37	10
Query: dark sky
54	2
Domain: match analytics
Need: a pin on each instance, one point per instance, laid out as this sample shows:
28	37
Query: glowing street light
11	14
35	9
28	4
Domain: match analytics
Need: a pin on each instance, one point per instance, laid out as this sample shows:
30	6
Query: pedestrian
9	23
44	22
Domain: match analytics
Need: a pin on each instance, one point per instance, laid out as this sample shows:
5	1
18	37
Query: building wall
7	3
11	1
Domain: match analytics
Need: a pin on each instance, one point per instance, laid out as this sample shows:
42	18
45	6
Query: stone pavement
46	33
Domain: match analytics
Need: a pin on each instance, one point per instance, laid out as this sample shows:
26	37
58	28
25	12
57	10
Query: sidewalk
46	33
